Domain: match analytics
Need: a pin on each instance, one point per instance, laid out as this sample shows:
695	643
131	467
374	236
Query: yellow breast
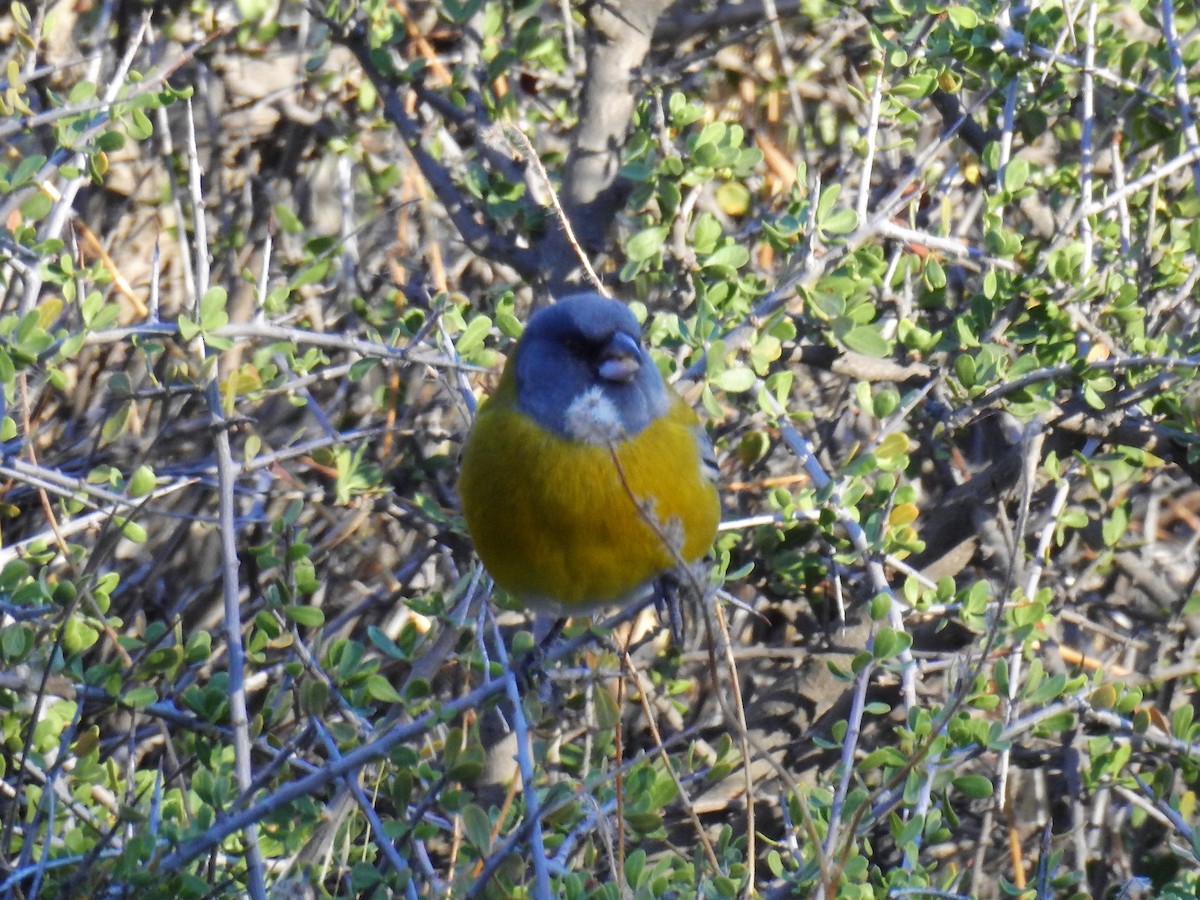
557	523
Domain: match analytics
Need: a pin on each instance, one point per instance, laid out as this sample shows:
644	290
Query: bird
584	477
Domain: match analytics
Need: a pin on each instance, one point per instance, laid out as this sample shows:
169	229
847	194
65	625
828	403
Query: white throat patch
593	419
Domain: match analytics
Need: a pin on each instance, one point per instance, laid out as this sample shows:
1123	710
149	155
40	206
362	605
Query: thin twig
239	718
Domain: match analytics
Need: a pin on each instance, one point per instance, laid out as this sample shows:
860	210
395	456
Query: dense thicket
928	273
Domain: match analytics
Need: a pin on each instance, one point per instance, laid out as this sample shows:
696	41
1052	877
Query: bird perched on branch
585	477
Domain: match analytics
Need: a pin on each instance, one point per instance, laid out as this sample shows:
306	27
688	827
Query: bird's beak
621	359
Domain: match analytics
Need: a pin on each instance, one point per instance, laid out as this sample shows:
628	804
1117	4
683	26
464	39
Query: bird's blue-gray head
583	373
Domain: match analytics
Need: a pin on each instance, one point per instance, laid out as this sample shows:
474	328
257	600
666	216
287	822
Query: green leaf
78	636
889	643
829	197
36	207
963	16
644	822
934	275
16	642
733	256
669	197
187	328
682	112
712	133
459	12
841	221
705	233
885	402
1181	721
468	764
110	142
473	336
977	787
379	688
311	274
26	169
867	340
212	309
142	482
139	126
385	644
140	697
1016	173
253	10
1114	527
131	530
199	647
646	244
305	616
964	368
477	827
83	92
736	380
